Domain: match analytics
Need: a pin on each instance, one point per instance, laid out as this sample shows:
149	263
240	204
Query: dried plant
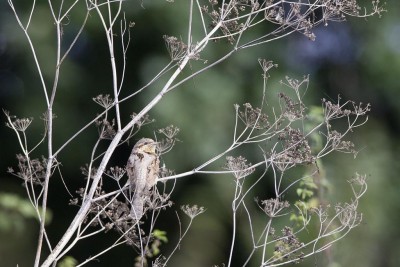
277	133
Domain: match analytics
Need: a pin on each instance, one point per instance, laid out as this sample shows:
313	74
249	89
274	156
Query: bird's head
146	145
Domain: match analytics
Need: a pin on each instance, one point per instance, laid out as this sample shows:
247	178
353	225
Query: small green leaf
160	235
67	261
299	191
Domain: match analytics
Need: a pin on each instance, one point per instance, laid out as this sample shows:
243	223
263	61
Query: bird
142	169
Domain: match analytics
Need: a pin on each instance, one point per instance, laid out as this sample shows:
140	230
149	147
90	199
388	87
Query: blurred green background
359	59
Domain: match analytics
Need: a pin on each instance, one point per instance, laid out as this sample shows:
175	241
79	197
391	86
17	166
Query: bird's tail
137	207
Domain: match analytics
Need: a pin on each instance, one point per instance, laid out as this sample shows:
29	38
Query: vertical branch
124	30
264	246
50	158
35	58
234	209
30	14
110	41
189	41
203	23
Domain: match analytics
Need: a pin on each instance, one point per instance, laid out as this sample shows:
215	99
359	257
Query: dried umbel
273	207
295	147
253	117
176	48
288	246
30	170
192	211
104	100
238	166
168	138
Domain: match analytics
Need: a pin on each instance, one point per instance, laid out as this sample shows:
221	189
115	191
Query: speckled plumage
142	169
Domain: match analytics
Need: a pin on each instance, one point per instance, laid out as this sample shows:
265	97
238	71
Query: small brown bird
142	169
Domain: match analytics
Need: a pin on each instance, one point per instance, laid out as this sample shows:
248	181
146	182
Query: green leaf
67	261
160	235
